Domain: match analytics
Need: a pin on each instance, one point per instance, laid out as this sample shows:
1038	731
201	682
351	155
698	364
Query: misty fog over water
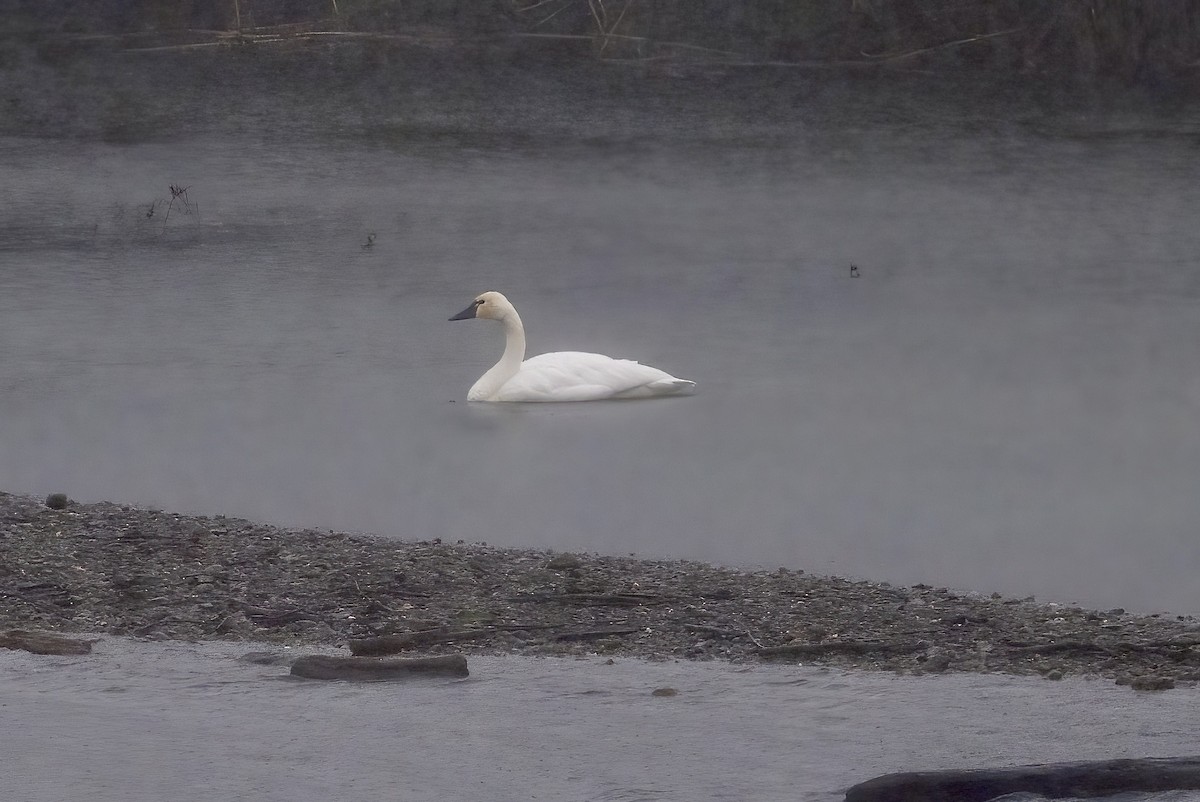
1003	398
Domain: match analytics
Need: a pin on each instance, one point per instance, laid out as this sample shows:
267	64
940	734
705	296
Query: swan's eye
479	302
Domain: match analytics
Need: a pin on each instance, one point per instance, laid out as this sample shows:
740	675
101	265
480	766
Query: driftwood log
317	666
1053	780
43	643
856	647
391	644
594	599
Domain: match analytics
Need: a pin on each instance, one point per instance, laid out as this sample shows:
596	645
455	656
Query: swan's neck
510	363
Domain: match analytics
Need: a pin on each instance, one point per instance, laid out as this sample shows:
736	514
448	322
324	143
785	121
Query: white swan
560	376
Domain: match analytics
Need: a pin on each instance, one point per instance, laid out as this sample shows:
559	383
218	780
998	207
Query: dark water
1004	399
150	721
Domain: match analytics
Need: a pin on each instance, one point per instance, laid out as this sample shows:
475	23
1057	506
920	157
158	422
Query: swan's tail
671	386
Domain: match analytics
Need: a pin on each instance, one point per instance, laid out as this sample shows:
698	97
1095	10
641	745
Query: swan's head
489	305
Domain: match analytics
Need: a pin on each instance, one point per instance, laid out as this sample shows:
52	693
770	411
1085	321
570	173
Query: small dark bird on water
370	241
854	271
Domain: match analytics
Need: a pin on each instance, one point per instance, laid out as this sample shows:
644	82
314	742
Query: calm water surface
144	722
1004	399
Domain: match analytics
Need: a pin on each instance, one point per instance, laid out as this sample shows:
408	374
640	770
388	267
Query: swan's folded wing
578	376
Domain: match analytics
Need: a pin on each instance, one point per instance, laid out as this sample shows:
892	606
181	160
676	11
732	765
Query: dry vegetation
1130	39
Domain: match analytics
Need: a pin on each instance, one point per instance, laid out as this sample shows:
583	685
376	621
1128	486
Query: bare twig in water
615	25
598	14
970	40
553	14
177	194
648	41
538	4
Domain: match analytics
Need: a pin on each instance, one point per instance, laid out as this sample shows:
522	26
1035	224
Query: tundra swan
559	376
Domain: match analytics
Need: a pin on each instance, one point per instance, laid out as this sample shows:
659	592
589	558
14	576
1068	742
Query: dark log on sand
317	666
43	643
862	647
595	634
594	599
1053	780
390	644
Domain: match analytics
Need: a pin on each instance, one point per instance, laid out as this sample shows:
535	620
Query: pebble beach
116	569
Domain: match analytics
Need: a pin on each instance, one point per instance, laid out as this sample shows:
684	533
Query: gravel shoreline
121	570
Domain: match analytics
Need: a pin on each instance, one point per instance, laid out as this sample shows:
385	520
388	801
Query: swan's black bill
467	313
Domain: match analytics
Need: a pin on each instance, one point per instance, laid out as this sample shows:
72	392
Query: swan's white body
563	375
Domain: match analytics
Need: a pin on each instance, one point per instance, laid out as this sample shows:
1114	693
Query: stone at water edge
268	658
1054	780
44	642
317	666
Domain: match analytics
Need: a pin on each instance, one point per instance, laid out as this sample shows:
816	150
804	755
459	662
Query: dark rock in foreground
1151	683
268	659
57	501
43	643
370	669
1053	780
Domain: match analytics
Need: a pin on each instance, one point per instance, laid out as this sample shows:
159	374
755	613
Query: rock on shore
1053	780
369	669
116	569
